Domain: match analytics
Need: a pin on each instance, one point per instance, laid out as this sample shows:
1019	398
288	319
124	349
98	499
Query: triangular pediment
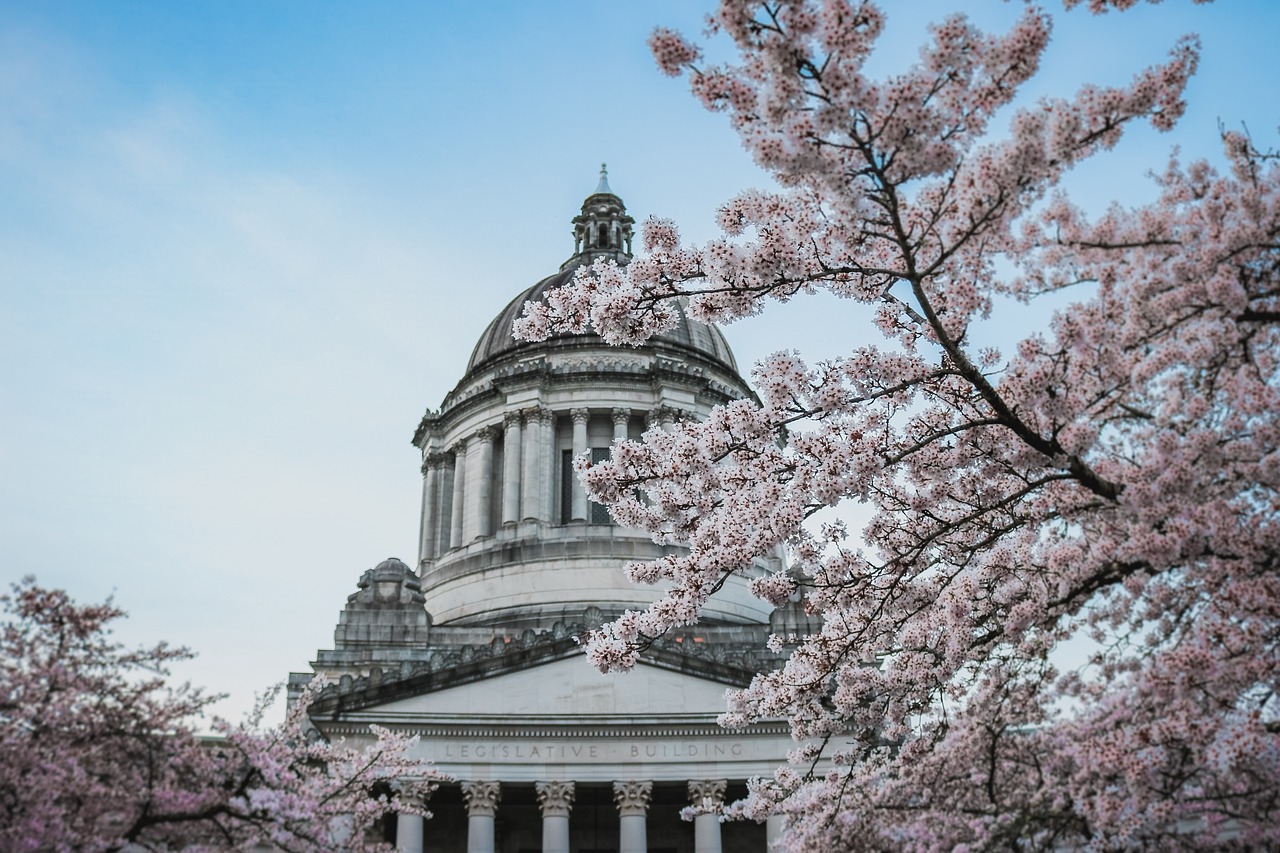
570	688
543	678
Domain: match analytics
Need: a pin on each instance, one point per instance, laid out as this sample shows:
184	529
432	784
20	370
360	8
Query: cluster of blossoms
98	754
1115	476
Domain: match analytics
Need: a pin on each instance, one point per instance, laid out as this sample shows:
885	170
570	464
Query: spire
603	186
603	228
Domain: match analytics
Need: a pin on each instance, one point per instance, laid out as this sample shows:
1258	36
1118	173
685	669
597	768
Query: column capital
459	447
511	419
656	416
535	413
707	794
414	794
555	798
435	459
481	797
580	415
632	797
485	434
621	415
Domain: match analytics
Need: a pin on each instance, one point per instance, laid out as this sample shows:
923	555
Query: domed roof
602	229
688	335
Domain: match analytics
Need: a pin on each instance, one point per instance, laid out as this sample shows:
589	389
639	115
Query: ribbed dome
601	230
688	335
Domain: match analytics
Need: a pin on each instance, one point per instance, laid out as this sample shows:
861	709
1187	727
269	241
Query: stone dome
508	536
688	337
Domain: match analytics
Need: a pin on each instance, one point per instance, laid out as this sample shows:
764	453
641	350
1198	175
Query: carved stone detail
533	414
555	798
660	416
632	797
481	797
621	415
600	364
579	415
414	794
486	434
707	793
434	460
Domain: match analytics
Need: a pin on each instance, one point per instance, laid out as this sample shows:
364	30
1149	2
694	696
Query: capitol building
472	646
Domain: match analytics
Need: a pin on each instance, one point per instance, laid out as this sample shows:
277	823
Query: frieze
599	363
608	751
672	365
531	365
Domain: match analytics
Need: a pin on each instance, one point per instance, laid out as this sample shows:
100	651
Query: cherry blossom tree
1111	479
97	753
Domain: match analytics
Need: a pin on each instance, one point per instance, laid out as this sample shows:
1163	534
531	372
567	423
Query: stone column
633	804
579	504
459	493
409	833
430	506
547	447
482	804
531	481
556	800
479	485
444	518
707	796
621	421
409	826
511	440
425	512
773	833
668	419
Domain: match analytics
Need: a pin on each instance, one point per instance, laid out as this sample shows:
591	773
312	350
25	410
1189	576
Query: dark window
598	513
566	486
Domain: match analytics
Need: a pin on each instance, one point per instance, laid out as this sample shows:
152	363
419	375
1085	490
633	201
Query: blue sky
243	245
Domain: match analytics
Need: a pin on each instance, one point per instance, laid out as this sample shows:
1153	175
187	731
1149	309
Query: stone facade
474	648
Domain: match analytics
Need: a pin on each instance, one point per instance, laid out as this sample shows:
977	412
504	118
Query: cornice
575	731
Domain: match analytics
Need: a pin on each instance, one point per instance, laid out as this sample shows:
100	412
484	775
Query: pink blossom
97	751
1115	475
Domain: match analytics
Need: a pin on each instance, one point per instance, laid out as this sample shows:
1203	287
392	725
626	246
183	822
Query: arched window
604	235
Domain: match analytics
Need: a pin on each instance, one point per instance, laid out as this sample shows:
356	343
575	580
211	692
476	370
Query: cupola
603	228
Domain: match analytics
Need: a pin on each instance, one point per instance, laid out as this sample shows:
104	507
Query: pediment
568	688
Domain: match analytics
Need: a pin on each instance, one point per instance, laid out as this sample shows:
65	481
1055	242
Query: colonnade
459	502
555	801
